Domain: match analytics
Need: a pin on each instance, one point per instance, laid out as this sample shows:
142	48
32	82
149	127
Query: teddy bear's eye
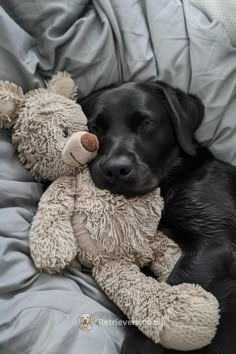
65	132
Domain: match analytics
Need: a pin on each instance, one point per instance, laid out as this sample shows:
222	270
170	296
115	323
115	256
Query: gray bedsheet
100	42
104	41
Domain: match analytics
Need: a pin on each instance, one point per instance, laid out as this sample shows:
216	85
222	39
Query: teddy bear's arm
52	241
166	255
182	317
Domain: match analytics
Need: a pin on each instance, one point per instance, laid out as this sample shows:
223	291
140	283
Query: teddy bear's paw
52	242
52	257
50	263
11	96
192	318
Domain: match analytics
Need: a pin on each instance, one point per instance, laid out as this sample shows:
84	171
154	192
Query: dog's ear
186	114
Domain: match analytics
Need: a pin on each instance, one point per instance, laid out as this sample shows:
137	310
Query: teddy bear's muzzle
80	148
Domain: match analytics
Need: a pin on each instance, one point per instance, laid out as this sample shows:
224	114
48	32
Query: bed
99	42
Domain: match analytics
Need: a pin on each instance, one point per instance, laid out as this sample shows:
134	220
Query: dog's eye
94	129
144	126
146	123
141	120
99	124
97	129
65	132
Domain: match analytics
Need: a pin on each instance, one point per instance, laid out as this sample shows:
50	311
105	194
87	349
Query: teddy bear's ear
63	84
11	98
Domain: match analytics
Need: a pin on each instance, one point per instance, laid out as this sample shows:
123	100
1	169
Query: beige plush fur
110	234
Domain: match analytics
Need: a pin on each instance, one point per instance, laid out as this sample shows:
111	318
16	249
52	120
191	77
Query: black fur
146	140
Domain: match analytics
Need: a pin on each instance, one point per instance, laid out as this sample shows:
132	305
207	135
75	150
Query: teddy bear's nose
90	142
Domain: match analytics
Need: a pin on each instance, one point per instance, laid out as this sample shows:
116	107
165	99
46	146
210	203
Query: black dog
146	140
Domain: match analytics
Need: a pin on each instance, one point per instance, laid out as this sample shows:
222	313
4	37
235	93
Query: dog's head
85	322
142	128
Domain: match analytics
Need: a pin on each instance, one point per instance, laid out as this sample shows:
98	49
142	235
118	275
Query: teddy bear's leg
166	255
182	317
52	241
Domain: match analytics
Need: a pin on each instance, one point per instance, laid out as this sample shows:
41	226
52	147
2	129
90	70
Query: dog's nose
117	168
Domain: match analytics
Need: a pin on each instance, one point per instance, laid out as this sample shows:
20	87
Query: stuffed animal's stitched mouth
79	163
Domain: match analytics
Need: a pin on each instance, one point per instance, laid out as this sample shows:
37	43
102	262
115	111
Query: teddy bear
112	235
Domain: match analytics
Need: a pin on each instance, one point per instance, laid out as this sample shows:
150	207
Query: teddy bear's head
49	129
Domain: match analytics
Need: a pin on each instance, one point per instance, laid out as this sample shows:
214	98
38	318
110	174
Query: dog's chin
129	189
134	189
130	192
